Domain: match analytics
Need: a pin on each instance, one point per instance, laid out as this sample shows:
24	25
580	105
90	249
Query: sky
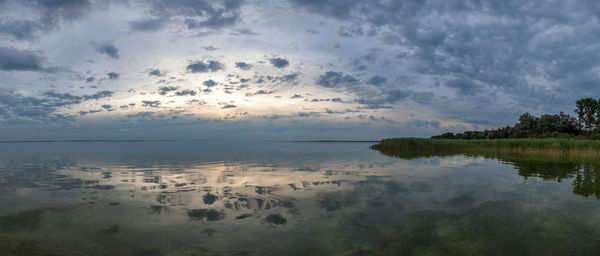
289	69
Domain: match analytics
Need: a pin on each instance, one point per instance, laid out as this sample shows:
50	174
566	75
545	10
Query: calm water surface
284	198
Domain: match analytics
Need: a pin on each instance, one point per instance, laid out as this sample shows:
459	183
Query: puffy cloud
186	93
108	107
279	62
16	108
209	83
464	86
376	80
109	49
166	89
350	31
200	14
243	65
288	78
385	99
13	59
156	72
113	75
42	16
333	79
73	99
151	103
202	67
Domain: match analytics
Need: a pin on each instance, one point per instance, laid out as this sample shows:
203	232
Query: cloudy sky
296	69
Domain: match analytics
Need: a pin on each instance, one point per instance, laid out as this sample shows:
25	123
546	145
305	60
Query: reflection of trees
583	171
587	181
546	170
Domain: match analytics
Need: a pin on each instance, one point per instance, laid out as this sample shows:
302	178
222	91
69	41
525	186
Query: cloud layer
370	68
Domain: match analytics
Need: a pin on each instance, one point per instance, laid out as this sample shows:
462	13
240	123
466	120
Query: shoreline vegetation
528	146
559	134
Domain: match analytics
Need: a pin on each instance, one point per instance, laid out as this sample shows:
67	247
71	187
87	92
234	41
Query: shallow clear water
285	198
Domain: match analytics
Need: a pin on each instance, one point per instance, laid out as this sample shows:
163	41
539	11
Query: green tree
587	112
526	127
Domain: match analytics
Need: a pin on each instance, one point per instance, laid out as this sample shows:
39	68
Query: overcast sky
312	69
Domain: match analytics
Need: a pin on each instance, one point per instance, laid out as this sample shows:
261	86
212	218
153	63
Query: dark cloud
98	95
200	14
22	29
376	80
13	59
263	92
311	32
308	114
375	119
339	112
244	31
208	66
426	98
153	116
423	124
66	97
42	16
350	31
93	111
279	62
90	79
297	96
107	107
288	78
155	72
464	86
229	106
148	24
243	65
109	49
385	99
209	83
331	8
16	108
506	46
166	89
333	79
151	103
113	75
366	60
74	99
210	48
186	93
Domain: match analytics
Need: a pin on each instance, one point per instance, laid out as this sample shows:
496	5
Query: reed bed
529	146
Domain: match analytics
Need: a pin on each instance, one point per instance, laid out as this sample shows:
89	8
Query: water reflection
581	172
263	198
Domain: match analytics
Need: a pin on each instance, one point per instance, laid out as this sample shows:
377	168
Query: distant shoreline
79	141
37	141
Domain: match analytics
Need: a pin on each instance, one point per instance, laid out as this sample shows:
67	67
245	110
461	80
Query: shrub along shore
580	147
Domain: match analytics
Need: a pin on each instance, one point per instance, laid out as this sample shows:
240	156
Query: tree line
561	125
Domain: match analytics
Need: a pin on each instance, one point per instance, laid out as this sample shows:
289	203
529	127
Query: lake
290	198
